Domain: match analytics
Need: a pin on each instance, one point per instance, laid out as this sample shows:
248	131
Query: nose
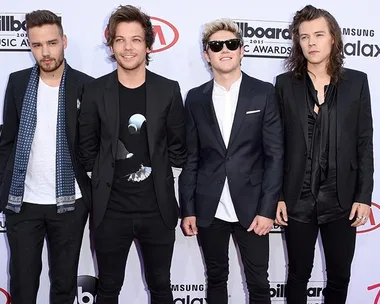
225	48
128	45
312	41
45	50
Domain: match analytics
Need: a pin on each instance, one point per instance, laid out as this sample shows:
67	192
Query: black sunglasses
231	44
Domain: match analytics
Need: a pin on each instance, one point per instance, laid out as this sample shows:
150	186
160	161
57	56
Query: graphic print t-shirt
132	194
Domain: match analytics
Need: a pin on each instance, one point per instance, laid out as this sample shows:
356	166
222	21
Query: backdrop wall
178	26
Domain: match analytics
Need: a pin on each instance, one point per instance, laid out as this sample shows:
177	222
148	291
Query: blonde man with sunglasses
232	178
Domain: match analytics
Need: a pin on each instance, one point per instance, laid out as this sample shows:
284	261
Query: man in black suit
44	191
132	131
328	167
232	177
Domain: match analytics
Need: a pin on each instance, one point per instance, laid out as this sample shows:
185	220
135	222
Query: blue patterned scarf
65	177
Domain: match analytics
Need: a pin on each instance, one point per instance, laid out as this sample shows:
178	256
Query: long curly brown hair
297	62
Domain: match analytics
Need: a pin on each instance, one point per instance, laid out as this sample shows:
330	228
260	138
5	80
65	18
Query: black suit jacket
252	162
99	133
14	96
354	137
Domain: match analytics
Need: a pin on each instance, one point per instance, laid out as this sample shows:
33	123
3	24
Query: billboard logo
13	35
277	292
265	39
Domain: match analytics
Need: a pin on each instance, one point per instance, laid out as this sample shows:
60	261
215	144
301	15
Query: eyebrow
317	32
135	36
49	41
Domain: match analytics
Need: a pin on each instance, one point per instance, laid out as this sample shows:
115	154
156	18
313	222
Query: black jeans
113	239
26	232
254	250
338	239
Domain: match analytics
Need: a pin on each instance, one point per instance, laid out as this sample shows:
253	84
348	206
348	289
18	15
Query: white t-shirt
40	174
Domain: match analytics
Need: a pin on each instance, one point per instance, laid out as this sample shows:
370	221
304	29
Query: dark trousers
26	232
338	239
113	239
254	252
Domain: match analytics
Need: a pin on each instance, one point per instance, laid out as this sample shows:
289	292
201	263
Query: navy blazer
252	162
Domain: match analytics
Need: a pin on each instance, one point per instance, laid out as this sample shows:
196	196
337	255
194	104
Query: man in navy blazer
233	174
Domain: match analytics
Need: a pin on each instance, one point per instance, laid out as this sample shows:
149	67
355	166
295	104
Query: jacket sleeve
364	145
188	177
10	127
281	109
175	128
272	133
88	129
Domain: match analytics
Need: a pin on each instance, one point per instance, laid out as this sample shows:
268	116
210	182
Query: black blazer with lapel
99	133
14	95
354	137
252	162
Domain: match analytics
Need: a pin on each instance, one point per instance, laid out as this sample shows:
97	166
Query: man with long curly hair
328	161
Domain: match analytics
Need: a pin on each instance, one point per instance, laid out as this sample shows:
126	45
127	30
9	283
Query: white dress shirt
225	103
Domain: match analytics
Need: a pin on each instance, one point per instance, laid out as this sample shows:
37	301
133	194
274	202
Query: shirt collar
234	86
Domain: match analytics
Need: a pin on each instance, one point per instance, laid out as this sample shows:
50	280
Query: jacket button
113	165
108	185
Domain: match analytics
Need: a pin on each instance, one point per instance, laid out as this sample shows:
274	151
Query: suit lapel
342	107
152	110
208	107
300	106
111	102
71	97
246	95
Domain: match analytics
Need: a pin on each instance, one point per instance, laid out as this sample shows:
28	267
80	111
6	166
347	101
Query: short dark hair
42	17
297	62
129	13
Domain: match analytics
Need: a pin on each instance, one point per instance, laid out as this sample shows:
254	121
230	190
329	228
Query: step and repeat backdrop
178	55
